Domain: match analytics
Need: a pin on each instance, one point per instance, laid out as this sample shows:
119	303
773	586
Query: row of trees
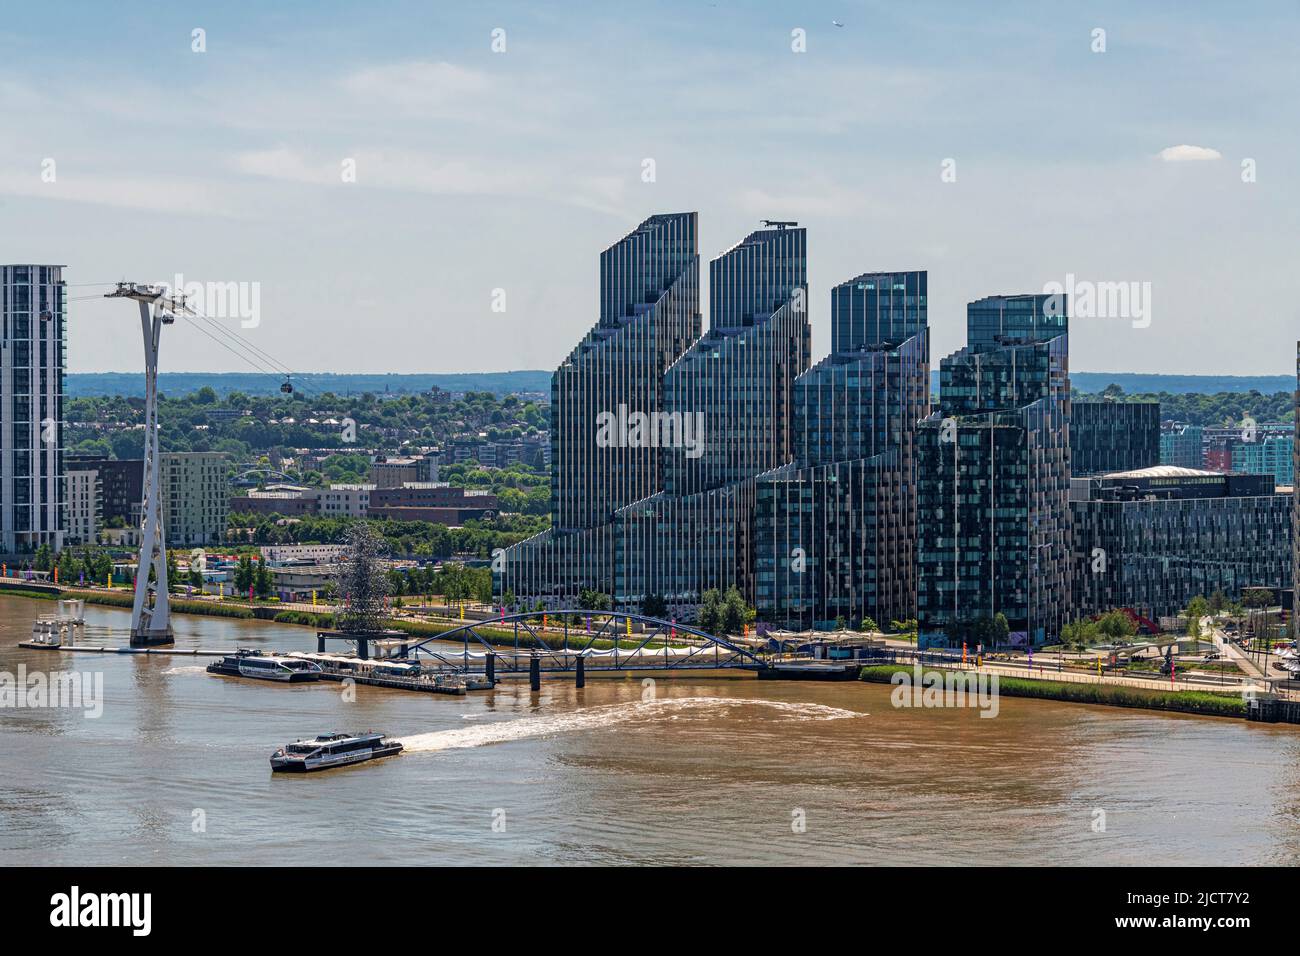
1225	409
1107	629
188	422
413	539
248	575
989	631
455	582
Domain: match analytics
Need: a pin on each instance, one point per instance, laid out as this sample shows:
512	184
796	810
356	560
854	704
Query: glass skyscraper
1113	436
32	491
737	382
993	480
835	530
649	316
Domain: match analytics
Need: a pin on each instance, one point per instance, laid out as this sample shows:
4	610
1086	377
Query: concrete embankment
1205	703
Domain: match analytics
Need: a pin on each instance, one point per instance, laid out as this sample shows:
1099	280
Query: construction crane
779	223
151	624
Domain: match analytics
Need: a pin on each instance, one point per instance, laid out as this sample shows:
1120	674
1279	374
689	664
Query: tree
907	628
654	606
592	600
735	612
710	613
868	625
42	562
262	579
244	574
195	577
1116	626
1197	608
68	566
1000	629
173	573
362	581
1079	634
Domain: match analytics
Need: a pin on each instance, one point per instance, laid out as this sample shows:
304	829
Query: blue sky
478	171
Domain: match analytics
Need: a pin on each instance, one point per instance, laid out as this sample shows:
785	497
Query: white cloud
437	89
1186	153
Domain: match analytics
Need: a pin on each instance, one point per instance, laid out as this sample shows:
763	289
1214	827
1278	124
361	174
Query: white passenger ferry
332	750
288	670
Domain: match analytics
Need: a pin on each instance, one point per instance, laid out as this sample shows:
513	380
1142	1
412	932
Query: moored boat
246	663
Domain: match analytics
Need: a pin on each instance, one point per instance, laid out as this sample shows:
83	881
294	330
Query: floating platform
456	689
810	670
102	649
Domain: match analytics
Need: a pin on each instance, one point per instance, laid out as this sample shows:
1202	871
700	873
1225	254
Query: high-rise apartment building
121	487
32	358
1266	455
195	494
83	510
994	477
1182	446
1112	436
733	393
607	404
835	531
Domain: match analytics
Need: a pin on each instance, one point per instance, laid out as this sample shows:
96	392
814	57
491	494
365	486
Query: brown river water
701	769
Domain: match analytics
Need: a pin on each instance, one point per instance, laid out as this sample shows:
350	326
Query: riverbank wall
1204	703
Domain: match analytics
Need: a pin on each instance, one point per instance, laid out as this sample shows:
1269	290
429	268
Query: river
706	769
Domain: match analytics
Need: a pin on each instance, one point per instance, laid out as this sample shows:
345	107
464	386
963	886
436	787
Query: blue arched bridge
600	645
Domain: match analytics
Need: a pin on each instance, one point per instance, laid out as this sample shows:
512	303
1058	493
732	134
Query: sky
416	187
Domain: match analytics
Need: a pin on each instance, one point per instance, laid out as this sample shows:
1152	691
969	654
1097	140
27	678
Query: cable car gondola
287	387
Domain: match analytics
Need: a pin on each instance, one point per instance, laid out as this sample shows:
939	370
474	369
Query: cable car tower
151	624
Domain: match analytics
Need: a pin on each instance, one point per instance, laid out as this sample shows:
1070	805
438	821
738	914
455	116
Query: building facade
195	495
33	310
994	477
1113	436
82	519
835	530
1272	455
1182	446
733	393
607	403
345	501
1153	539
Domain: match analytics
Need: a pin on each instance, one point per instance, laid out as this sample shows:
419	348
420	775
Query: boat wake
185	669
591	718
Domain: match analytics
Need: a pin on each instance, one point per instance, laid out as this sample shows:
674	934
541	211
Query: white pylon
151	625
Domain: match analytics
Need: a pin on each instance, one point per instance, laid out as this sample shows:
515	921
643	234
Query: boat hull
328	762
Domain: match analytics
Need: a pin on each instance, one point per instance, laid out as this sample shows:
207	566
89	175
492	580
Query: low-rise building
435	502
1154	538
393	472
285	500
345	501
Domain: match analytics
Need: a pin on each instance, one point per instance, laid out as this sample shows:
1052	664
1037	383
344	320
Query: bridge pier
580	672
490	667
535	673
